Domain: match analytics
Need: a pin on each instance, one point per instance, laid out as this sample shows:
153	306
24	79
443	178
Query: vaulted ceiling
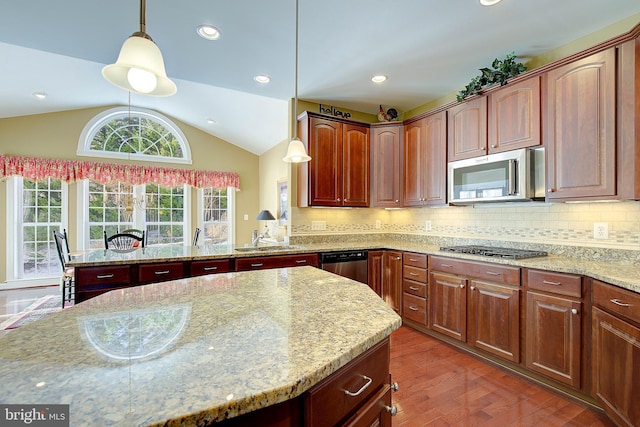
427	48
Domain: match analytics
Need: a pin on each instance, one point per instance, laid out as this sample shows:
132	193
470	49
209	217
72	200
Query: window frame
231	212
98	121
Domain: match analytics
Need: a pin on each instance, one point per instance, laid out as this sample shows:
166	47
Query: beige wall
56	135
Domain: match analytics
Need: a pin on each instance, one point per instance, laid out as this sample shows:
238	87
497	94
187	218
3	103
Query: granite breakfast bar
194	351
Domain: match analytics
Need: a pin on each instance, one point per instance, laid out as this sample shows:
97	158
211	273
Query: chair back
62	246
196	236
123	241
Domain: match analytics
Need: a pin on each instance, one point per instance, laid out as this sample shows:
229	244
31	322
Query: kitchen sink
262	248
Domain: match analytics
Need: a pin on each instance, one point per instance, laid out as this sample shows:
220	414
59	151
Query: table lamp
265	215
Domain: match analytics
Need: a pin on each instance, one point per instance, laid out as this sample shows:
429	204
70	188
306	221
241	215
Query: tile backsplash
546	223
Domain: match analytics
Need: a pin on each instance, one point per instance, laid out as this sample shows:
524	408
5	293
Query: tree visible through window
134	134
215	216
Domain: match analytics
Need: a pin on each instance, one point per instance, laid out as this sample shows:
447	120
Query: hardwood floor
443	386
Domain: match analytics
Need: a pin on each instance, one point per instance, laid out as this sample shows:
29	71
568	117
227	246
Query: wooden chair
136	232
123	241
196	236
67	281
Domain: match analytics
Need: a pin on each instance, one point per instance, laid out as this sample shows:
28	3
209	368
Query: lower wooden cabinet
414	287
278	261
554	337
375	260
448	305
493	322
160	272
615	352
392	280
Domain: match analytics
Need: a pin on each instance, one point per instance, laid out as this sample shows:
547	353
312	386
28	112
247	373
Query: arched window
134	134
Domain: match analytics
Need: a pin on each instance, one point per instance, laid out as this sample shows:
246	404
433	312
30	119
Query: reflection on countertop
203	348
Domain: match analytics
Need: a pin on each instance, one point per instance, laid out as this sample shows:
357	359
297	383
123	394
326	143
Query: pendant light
296	152
140	67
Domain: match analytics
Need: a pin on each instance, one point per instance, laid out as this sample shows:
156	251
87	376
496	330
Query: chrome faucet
255	238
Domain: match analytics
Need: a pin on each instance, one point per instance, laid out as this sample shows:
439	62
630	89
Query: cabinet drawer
160	272
282	261
617	300
414	273
103	275
414	308
414	259
333	400
200	268
557	283
414	288
481	270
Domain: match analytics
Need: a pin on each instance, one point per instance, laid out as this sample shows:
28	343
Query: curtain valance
37	169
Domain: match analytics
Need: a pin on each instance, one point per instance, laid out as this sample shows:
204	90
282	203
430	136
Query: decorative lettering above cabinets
328	109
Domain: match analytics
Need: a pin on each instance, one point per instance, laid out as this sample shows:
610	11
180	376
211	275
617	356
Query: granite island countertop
191	351
624	274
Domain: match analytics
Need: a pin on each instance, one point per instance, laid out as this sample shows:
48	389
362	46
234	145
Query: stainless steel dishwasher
350	264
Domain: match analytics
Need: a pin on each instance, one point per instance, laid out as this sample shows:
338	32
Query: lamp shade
265	215
140	57
296	152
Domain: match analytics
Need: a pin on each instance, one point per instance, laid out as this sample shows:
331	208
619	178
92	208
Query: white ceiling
427	48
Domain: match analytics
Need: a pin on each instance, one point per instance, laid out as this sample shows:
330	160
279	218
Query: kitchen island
194	351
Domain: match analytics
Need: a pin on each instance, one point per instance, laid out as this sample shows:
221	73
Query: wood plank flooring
443	386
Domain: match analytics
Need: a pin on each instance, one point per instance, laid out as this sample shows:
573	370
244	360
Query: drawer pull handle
493	273
413	308
363	388
548	282
620	303
161	273
413	260
392	410
413	288
301	261
259	264
104	276
411	273
210	268
446	265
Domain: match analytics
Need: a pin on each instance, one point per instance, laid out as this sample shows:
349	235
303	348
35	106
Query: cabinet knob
398	258
574	311
338	199
551	190
473	288
397	200
461	286
392	410
494	146
394	386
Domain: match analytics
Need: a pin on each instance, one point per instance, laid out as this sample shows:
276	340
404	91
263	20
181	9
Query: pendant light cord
295	99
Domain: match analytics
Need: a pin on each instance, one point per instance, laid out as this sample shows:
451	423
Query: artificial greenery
502	70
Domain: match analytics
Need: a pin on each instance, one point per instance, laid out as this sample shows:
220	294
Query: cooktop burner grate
489	251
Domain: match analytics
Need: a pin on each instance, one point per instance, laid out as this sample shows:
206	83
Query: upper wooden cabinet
514	116
338	173
580	128
386	144
425	161
467	129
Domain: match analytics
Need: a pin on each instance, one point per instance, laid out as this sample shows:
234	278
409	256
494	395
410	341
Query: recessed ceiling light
208	32
378	79
211	121
261	78
489	2
39	95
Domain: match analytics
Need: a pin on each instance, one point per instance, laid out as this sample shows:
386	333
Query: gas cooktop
489	251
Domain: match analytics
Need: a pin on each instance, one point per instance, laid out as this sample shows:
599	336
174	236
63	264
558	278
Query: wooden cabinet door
616	367
414	163
494	319
467	129
385	149
514	116
448	305
355	161
435	170
325	167
553	337
392	280
375	269
580	127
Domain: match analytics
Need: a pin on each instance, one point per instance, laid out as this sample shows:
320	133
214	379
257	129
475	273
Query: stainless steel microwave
516	175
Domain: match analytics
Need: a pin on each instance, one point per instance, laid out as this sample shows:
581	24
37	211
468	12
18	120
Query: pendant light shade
140	67
296	152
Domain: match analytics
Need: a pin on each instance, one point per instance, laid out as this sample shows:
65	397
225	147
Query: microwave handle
513	176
